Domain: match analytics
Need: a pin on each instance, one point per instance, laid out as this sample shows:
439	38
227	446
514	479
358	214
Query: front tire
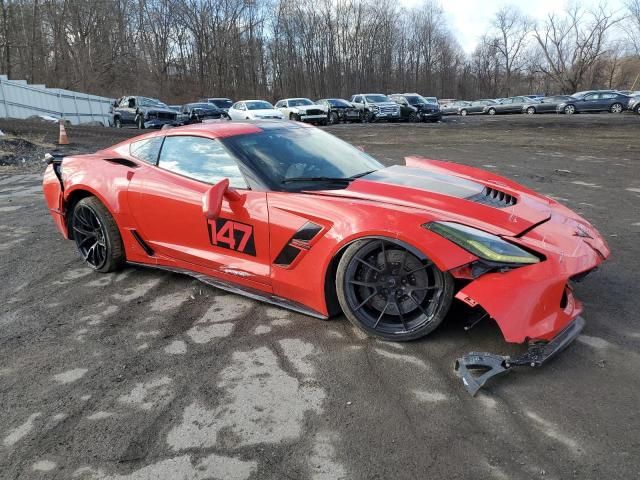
492	111
531	110
140	122
117	123
463	112
96	236
389	292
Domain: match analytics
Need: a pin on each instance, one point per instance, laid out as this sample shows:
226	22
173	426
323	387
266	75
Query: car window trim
148	140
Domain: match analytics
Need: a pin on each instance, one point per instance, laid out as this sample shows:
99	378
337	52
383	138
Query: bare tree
572	44
513	29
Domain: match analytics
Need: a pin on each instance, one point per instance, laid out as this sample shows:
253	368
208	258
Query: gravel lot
149	375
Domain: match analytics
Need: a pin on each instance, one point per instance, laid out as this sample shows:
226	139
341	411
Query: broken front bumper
489	365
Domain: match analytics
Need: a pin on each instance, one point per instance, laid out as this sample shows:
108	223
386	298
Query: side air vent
122	161
301	240
493	198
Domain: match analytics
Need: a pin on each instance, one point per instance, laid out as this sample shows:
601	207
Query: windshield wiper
327	179
317	179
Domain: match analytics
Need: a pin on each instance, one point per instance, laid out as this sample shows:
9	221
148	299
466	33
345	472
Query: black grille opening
493	198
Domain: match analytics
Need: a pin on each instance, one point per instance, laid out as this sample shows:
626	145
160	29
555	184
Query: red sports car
289	214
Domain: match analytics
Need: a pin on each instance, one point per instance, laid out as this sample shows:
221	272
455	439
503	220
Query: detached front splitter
476	368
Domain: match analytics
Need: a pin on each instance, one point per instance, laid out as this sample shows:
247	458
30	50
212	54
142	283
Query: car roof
220	130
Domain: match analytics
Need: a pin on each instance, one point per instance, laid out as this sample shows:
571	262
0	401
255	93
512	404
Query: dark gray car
509	105
143	112
477	106
595	101
546	105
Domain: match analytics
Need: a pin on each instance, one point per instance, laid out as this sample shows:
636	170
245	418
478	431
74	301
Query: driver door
167	204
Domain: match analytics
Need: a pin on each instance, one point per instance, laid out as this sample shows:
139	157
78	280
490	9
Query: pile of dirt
19	152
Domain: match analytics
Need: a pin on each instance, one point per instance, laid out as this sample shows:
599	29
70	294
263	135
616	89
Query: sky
470	19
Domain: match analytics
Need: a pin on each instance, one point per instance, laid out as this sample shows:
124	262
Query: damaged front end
522	282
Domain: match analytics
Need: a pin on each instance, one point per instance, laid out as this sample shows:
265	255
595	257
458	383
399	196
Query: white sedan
254	110
303	110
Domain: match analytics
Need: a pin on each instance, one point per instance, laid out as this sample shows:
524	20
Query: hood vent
493	198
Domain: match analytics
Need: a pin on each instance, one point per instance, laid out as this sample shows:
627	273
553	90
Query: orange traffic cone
63	139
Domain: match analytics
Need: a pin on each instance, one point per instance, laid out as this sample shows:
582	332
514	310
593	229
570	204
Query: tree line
179	50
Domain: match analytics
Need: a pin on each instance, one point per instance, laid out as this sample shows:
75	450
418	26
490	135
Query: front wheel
616	108
492	111
463	112
389	292
531	110
333	118
140	122
117	122
96	236
413	117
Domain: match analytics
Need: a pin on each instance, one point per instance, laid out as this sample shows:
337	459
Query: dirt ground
149	375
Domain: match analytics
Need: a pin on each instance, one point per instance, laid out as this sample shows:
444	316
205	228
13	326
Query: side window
357	99
280	104
241	106
591	96
124	103
608	95
146	150
132	102
200	158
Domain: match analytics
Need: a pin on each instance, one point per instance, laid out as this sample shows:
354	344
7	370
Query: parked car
376	106
432	100
453	108
416	108
254	110
143	112
198	112
634	104
221	102
477	106
302	110
545	105
339	110
509	105
595	101
289	214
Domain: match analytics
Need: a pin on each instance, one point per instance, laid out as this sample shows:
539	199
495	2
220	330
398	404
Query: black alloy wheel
388	291
96	236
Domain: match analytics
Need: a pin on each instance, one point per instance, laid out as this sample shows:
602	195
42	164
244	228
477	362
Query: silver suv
375	106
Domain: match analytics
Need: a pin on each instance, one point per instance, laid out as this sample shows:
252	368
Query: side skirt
247	292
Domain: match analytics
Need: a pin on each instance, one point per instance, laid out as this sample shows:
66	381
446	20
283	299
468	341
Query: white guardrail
18	99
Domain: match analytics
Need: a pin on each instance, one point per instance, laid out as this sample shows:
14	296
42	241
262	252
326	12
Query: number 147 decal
232	235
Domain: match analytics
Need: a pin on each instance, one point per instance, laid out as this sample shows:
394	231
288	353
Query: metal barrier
18	99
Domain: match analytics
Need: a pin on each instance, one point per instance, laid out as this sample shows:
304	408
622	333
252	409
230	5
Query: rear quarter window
146	150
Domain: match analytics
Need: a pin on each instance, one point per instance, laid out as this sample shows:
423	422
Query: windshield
433	100
203	106
284	154
259	105
415	100
299	102
376	98
150	102
222	103
336	102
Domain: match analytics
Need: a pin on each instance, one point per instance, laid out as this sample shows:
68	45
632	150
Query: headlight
482	244
375	108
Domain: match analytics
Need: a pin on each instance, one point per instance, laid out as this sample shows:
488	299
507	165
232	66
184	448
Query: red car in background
289	214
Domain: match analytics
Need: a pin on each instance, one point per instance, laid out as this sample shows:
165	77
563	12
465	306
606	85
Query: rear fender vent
493	198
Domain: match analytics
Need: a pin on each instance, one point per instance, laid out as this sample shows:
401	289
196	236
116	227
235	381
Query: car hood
304	108
455	193
158	110
385	104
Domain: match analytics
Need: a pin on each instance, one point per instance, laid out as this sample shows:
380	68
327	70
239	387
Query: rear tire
569	110
531	110
463	112
97	236
616	108
117	122
387	291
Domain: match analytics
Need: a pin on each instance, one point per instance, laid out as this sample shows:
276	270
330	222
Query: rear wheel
531	110
569	110
463	112
390	292
96	236
117	122
616	108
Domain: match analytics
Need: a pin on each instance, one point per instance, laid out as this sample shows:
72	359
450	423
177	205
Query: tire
96	236
638	109
333	118
413	117
386	290
531	111
292	116
369	117
322	123
117	123
569	110
140	122
463	112
491	111
616	108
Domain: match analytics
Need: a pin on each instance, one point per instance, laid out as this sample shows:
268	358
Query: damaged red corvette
291	215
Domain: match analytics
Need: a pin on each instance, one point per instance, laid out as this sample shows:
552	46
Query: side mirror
212	198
